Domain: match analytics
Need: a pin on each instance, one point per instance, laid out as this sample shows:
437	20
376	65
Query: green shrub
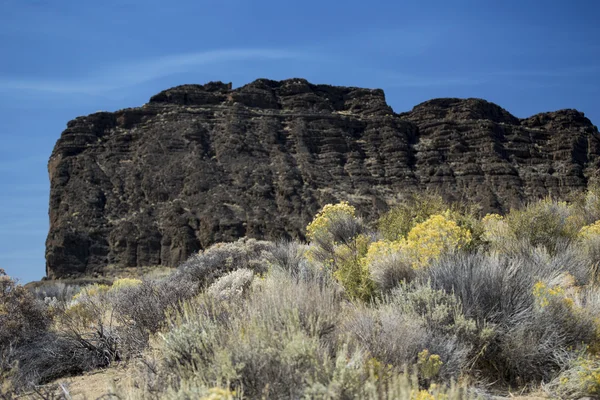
545	223
399	220
339	244
351	271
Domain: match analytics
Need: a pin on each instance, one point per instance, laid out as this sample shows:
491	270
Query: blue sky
63	58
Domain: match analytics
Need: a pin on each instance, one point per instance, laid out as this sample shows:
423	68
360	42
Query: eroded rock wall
201	164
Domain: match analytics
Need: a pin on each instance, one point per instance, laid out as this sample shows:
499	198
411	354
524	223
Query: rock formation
201	164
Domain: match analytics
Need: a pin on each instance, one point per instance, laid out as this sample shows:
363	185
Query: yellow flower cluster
124	283
217	393
429	239
585	376
382	248
492	218
589	376
591	230
544	295
423	395
322	220
429	365
425	242
91	291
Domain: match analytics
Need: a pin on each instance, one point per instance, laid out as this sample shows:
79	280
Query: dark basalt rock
201	164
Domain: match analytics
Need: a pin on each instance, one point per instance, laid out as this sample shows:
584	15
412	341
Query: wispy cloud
564	72
132	73
520	77
423	81
397	79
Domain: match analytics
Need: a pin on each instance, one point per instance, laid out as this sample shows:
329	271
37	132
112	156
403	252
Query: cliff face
201	164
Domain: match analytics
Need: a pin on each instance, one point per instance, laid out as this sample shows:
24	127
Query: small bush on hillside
411	320
416	209
335	227
398	221
56	291
140	309
351	271
339	244
231	285
589	247
288	255
51	356
207	266
291	258
429	240
388	265
587	205
22	317
544	223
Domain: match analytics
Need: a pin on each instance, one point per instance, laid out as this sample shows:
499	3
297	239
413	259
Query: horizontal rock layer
201	164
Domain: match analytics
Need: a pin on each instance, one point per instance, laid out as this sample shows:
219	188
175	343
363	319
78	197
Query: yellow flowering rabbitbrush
428	240
590	231
322	220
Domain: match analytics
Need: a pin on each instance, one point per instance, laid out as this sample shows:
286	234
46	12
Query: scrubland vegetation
431	302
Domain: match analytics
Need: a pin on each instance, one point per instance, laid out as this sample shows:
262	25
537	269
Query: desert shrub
399	220
231	285
351	270
439	234
122	283
51	356
392	337
389	265
219	259
322	223
544	223
283	341
411	320
580	379
287	255
339	243
62	292
587	205
417	208
509	294
23	319
21	315
39	353
271	344
335	227
589	252
498	235
140	309
290	257
89	320
492	288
